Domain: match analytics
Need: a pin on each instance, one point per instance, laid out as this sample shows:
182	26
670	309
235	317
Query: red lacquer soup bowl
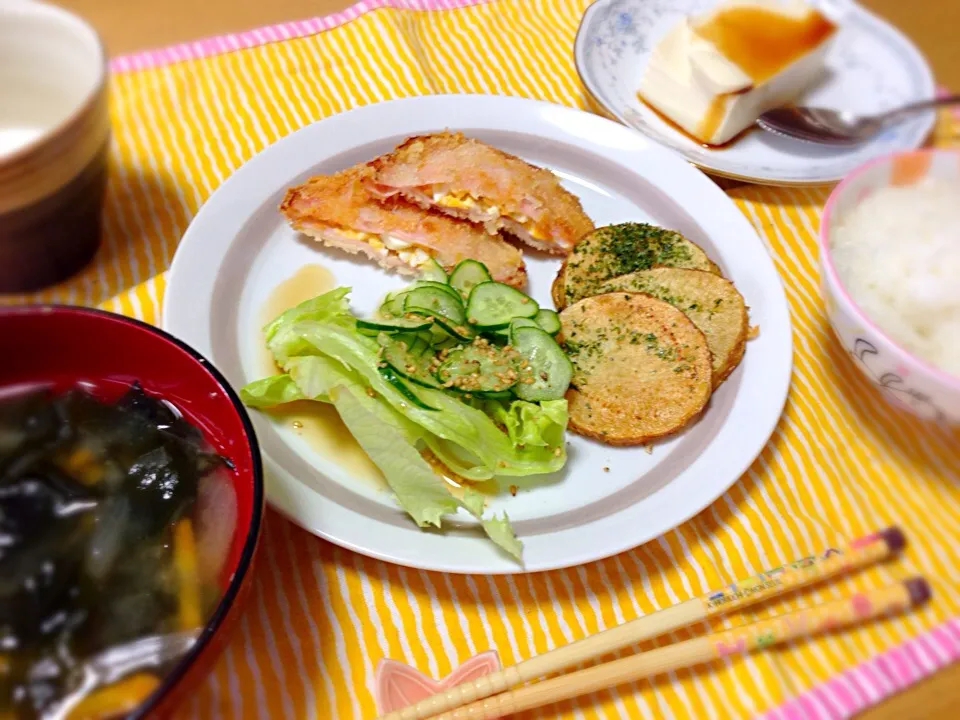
63	347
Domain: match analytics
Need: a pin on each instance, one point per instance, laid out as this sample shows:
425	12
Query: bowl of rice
890	274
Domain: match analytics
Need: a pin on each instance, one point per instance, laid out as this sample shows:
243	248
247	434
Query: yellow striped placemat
320	618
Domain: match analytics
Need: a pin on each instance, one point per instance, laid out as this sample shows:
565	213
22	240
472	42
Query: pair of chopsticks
491	696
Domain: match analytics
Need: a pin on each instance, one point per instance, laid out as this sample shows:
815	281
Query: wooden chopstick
777	581
819	618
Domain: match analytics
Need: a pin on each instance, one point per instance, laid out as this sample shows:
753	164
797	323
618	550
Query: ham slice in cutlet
340	211
469	179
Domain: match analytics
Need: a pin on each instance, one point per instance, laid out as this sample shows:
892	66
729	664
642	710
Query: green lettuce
328	305
325	358
453	420
419	490
385	436
270	391
530	424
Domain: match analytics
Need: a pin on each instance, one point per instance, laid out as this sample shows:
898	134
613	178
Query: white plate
238	249
870	68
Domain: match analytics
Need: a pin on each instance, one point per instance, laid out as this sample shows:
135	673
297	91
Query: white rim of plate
760	400
916	138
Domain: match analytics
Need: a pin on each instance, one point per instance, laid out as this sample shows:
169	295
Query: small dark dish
112	368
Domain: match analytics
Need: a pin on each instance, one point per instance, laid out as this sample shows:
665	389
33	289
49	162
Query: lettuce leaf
497	529
452	420
419	490
270	391
501	532
328	305
460	461
530	424
326	359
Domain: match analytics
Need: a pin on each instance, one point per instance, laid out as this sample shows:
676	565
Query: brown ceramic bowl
54	133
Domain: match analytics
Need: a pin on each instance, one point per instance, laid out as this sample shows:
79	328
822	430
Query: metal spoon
116	662
839	127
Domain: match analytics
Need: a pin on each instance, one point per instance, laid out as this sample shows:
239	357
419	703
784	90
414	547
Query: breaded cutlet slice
714	305
641	368
468	179
340	211
616	250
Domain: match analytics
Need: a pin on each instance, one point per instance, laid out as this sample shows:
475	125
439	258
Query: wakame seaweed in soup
97	544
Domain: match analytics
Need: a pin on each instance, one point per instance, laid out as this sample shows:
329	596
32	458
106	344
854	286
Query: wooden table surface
130	25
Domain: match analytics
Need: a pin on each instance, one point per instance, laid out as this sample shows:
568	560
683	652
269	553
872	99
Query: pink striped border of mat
846	694
271	33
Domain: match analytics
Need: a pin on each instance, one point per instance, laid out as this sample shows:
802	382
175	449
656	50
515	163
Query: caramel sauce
712	117
318	424
761	41
715	107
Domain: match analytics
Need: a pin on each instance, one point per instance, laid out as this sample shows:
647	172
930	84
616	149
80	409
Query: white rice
898	255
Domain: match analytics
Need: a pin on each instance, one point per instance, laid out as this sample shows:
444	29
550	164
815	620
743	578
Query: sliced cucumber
419	346
548	320
519	323
431	270
494	305
479	368
500	336
548	372
401	386
372	326
414	343
440	339
392	306
468	273
411	361
462	332
496	395
430	336
442	287
431	302
448	342
438	336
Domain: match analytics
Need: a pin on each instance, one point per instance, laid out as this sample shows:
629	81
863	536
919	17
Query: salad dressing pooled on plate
307	282
318	424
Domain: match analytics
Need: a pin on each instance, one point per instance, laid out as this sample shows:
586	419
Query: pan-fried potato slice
710	301
615	250
641	368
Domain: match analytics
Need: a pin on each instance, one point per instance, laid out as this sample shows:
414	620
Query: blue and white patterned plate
871	67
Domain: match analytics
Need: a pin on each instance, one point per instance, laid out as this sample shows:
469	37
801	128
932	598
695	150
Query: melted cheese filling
387	243
466	201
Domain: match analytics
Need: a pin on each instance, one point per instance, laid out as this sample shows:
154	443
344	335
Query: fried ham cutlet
471	180
340	211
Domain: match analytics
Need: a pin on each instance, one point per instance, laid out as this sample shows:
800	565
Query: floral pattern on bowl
870	67
904	379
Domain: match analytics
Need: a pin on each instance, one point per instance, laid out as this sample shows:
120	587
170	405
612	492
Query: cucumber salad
461	368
